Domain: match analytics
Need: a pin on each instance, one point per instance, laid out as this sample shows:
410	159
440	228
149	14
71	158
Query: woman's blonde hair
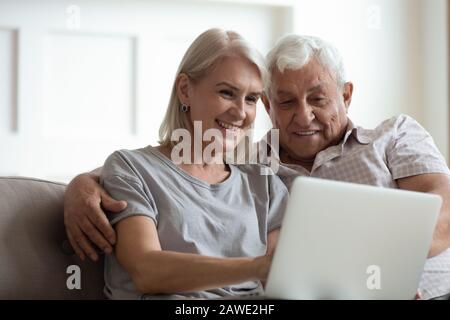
206	49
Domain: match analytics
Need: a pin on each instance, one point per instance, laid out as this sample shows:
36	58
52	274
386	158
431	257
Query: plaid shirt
397	148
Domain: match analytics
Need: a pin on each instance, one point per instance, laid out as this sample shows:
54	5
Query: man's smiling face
309	108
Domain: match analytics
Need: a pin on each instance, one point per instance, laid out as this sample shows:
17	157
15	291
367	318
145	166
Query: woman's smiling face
224	98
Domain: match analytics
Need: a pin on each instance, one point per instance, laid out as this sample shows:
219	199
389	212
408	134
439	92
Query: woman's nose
238	109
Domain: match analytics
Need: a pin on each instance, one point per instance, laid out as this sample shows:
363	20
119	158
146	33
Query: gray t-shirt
228	219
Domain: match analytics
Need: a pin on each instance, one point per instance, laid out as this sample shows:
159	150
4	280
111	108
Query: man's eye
318	99
252	99
286	102
226	93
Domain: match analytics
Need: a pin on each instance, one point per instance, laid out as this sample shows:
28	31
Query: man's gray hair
293	51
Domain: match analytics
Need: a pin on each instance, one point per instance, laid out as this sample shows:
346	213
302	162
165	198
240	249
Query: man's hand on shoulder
86	222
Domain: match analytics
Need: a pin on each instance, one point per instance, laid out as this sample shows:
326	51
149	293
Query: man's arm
156	271
85	221
436	183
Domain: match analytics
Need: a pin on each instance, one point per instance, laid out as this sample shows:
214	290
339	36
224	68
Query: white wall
69	96
435	72
75	87
396	55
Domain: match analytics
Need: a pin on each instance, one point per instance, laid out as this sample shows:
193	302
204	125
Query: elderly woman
196	229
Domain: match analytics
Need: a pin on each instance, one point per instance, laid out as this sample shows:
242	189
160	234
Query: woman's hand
418	295
83	216
272	240
262	266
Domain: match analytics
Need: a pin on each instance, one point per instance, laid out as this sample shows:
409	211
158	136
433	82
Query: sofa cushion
35	256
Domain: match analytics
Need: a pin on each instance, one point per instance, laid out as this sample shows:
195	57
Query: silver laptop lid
349	241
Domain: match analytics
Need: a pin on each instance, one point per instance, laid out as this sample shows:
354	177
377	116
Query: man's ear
347	94
182	87
266	103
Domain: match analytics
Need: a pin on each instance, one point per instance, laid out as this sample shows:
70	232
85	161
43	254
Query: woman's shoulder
128	162
122	156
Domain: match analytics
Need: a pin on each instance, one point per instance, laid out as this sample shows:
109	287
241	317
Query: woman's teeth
227	125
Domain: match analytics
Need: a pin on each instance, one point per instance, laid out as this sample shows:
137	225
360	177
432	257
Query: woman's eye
226	93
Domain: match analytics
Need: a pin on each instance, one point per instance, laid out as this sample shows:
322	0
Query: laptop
350	241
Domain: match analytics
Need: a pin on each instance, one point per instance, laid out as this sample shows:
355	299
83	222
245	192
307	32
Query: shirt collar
361	135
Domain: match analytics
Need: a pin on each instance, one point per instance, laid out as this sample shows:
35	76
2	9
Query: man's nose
304	115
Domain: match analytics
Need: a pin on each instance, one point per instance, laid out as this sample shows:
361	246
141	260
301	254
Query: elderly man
308	99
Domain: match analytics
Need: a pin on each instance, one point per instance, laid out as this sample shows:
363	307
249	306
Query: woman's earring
184	108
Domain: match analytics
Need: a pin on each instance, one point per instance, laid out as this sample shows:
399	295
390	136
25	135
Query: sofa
36	259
